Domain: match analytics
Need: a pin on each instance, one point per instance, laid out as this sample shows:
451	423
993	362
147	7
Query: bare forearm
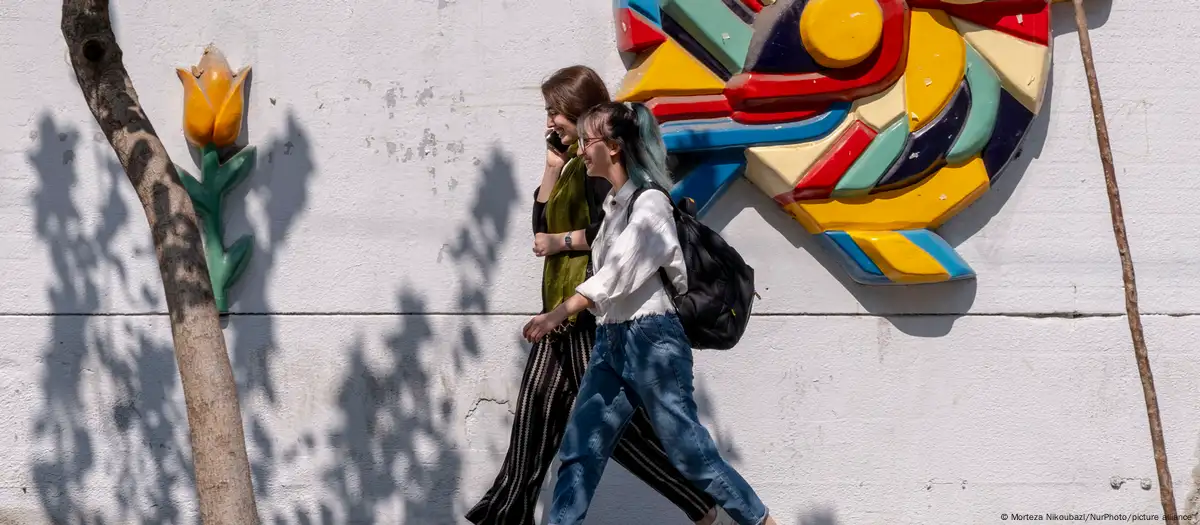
573	305
552	243
545	323
579	241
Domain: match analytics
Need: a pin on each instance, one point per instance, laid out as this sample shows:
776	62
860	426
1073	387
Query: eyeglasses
588	142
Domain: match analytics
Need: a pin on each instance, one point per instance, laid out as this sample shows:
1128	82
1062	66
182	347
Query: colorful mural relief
871	122
213	109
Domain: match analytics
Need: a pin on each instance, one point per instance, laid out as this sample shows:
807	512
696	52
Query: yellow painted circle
841	33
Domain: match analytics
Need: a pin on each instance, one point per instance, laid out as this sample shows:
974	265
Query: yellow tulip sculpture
213	108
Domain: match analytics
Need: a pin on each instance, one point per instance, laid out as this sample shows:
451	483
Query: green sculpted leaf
238	258
234	170
195	190
210	165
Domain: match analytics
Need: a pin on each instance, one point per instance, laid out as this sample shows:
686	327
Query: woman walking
567	213
642	358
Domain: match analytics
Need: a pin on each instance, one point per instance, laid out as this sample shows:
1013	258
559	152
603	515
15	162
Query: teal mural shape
225	265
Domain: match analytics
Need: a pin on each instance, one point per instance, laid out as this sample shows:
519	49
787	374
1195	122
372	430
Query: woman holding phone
567	212
642	360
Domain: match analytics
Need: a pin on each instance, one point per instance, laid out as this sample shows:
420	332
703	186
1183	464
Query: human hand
540	325
547	244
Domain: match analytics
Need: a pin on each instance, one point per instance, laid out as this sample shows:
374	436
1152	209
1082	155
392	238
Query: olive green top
574	204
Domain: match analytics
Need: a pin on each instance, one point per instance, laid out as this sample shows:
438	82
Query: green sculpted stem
208	195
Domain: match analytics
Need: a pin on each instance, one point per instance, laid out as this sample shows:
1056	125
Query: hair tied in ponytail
635	128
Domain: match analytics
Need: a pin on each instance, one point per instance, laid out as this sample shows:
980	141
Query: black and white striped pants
548	388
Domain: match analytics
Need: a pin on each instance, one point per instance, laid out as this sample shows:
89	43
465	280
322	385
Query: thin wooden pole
1166	490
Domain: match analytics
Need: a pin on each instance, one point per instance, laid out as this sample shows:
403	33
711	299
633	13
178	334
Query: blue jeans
646	361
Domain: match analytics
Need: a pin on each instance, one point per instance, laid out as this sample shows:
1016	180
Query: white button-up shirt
626	256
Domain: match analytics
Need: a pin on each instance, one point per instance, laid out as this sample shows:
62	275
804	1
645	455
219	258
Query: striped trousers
548	388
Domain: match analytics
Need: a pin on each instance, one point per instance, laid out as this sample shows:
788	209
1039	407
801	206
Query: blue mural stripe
697	135
860	267
711	174
941	251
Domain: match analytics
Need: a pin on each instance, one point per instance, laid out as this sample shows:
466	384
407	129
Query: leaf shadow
144	406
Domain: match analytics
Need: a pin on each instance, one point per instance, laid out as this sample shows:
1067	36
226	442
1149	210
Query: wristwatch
567	240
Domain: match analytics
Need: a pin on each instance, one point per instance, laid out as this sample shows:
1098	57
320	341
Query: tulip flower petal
229	118
198	114
215	75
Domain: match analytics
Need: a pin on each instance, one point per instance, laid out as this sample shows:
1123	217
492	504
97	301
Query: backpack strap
629	210
640	190
662	272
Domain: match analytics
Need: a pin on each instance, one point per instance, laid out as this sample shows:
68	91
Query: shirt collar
621	198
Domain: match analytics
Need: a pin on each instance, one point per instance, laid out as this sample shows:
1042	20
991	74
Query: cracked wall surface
375	336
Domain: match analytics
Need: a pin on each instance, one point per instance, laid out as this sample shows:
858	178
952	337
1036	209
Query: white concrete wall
377	336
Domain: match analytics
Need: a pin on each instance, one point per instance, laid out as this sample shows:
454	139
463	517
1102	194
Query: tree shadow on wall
281	179
926	310
147	413
396	440
396	435
134	434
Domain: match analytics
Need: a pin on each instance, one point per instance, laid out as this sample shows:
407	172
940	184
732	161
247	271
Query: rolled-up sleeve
647	243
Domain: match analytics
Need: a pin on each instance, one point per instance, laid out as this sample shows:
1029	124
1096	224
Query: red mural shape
754	5
826	172
635	33
747	91
667	109
1028	22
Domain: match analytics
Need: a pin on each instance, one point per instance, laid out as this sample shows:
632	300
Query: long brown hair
572	90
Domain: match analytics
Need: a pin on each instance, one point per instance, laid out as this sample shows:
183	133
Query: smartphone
556	142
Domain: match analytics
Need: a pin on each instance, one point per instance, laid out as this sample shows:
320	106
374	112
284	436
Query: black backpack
716	308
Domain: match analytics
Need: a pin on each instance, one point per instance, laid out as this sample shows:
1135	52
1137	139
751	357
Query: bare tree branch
1166	490
223	482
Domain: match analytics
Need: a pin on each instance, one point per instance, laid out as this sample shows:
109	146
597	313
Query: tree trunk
222	470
